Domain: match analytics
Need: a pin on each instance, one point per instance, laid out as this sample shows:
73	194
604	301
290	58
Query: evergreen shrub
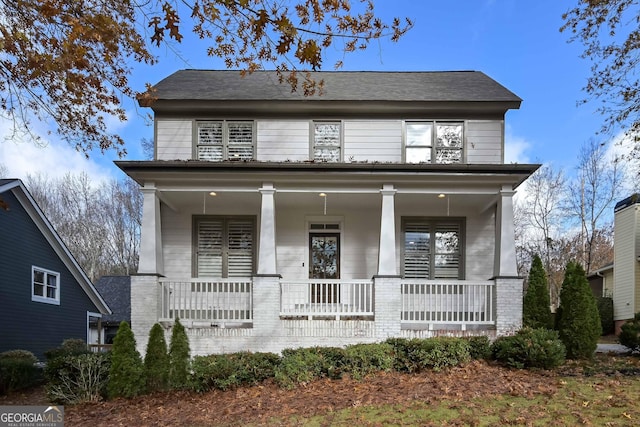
156	360
416	354
605	309
364	359
479	347
18	370
536	311
227	371
578	319
530	348
179	359
630	334
126	374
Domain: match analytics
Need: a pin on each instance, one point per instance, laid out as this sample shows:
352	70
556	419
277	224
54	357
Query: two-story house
382	208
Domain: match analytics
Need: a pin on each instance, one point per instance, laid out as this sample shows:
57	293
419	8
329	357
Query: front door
324	263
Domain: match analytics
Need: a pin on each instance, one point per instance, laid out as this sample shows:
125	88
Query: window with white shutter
327	142
219	140
224	246
432	248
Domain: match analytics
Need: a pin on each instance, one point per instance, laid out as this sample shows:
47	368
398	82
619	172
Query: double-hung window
327	141
433	142
432	248
224	246
45	286
219	140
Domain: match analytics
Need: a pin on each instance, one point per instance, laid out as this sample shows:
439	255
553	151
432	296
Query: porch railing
217	301
447	302
326	298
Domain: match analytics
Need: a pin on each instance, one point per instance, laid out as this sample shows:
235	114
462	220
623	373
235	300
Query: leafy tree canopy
610	33
69	62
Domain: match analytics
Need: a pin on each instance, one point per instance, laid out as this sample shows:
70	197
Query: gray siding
484	141
625	271
29	325
173	139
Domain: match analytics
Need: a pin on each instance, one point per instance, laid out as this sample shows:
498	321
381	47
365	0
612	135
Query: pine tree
156	360
179	361
578	318
126	376
536	307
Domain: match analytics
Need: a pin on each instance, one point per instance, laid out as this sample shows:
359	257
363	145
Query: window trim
434	142
312	139
196	219
434	221
44	298
225	138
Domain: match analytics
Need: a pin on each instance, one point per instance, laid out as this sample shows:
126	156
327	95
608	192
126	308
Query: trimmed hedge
530	348
415	355
18	370
227	371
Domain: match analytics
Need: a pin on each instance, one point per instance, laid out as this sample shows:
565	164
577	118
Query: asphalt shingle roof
116	291
434	86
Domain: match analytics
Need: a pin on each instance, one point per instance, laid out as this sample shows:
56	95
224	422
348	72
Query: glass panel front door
324	263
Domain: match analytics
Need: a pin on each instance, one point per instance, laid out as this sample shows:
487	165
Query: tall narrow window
225	140
224	246
327	141
45	286
432	248
433	142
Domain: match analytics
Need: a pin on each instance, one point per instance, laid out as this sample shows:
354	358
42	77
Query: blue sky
516	42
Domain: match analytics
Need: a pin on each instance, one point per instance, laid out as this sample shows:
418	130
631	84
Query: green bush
605	309
630	334
79	378
69	347
179	359
415	355
479	347
126	374
18	370
156	360
299	366
536	311
364	359
226	371
530	348
578	319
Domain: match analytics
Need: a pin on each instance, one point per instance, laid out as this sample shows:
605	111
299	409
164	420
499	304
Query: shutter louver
417	248
240	243
210	141
209	257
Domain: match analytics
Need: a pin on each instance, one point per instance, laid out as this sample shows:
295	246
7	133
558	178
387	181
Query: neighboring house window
225	140
432	248
327	141
433	142
45	286
224	246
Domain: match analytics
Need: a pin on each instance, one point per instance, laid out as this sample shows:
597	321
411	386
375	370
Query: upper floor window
432	248
327	141
225	140
45	286
433	142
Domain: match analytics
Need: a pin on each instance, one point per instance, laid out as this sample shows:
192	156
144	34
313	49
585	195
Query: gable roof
37	216
338	86
116	291
406	89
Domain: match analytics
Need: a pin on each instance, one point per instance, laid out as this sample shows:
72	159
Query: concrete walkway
612	348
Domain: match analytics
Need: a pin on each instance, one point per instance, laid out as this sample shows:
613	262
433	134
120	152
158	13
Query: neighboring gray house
46	297
382	208
116	291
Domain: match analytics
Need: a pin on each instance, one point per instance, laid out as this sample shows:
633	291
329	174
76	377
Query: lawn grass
598	401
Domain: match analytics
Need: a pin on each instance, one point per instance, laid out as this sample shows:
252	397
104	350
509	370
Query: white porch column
505	250
267	246
150	233
387	249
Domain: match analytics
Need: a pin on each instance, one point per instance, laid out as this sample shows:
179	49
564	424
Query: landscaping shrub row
75	375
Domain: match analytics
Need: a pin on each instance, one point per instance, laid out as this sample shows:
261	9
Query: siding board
174	139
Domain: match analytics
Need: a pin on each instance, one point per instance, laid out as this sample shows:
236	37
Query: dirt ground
258	403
